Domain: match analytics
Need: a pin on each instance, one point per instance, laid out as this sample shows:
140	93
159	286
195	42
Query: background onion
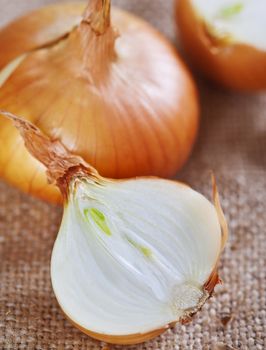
128	108
233	64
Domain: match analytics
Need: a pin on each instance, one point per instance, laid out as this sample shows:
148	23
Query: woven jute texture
232	142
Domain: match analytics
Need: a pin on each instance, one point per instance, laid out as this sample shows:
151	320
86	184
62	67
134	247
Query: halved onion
226	40
132	257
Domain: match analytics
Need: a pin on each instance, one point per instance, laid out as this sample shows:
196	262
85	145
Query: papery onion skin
39	28
62	168
131	339
233	65
147	114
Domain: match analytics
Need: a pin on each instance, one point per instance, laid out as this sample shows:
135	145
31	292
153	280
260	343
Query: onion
132	257
120	98
226	40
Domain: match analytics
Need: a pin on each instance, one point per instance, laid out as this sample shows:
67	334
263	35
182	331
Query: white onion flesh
144	264
242	21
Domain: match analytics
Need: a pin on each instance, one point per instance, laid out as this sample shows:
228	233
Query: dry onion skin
132	257
226	40
113	91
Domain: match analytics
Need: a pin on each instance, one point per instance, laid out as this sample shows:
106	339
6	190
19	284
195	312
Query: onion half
132	257
226	40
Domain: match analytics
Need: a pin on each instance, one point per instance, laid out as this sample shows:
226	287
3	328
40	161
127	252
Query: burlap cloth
232	142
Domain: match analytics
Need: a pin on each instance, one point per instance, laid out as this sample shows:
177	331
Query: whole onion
116	94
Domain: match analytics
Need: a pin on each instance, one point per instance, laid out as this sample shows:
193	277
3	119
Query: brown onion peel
220	213
233	65
35	30
62	166
104	97
97	15
214	278
131	339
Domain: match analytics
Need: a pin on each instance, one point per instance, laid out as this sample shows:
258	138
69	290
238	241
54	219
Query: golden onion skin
234	66
131	339
122	125
37	29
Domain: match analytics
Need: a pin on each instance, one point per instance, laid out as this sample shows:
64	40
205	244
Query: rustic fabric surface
232	142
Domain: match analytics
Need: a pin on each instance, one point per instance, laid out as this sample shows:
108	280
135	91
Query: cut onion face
226	39
133	256
239	21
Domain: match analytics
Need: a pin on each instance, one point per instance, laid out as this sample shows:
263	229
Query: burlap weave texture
232	142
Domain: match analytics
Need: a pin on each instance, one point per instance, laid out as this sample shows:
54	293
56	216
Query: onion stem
97	15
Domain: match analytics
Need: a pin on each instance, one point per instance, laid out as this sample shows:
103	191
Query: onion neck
61	165
96	40
97	15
